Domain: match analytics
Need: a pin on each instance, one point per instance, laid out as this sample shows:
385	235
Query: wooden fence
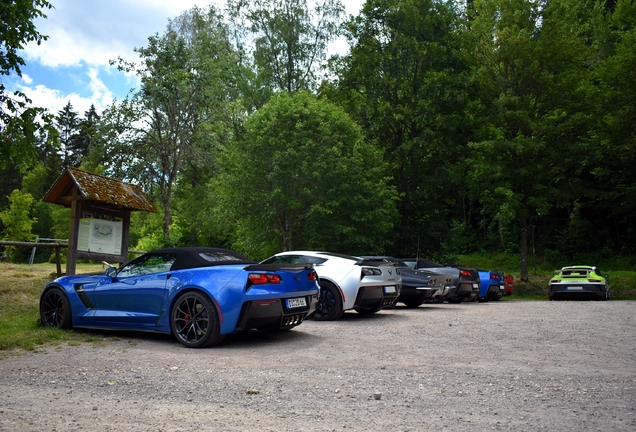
56	246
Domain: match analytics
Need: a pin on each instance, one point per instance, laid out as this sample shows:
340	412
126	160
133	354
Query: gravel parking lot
507	365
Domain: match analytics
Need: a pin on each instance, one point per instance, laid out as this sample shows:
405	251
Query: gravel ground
507	365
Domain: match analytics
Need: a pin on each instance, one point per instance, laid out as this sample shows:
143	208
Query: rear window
349	257
575	272
219	257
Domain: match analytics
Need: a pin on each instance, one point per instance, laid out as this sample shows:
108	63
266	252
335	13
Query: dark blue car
492	285
199	294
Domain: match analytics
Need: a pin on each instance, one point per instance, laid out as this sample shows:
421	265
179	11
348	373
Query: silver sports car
347	282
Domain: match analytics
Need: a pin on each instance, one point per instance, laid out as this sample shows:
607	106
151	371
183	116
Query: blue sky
73	64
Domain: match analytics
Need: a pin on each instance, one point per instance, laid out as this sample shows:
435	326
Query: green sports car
579	282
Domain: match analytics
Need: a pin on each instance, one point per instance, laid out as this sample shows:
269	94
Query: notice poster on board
100	236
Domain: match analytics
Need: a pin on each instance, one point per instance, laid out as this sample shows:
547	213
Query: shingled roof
94	187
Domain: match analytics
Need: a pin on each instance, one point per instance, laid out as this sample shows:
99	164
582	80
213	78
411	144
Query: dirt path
508	365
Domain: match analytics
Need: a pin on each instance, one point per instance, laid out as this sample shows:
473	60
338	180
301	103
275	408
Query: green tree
67	123
303	177
180	112
530	79
16	220
614	138
19	125
86	137
290	40
404	82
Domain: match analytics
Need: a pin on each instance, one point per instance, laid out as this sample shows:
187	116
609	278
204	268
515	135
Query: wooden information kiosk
100	215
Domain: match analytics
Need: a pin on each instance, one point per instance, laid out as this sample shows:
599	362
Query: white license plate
389	290
475	286
502	287
296	302
574	288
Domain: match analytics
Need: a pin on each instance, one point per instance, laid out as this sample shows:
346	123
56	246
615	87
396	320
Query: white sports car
347	282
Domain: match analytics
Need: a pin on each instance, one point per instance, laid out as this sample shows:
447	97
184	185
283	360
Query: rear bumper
274	314
467	289
419	294
493	291
575	290
376	297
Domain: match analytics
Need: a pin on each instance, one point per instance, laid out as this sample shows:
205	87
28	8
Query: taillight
312	276
368	271
464	273
262	278
494	276
594	280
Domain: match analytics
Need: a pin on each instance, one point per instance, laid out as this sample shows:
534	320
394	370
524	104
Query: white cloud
93	32
54	99
86	34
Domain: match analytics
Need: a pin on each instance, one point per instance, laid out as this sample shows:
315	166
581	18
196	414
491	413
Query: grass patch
20	327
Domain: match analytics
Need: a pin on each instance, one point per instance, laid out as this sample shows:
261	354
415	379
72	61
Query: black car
464	283
418	286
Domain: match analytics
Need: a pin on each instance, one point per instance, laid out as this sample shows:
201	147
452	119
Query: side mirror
606	276
111	272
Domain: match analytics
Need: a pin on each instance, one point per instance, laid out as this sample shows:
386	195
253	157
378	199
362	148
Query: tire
197	329
455	300
55	310
329	303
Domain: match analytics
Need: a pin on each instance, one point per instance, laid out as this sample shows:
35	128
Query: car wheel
607	294
455	300
195	321
55	310
329	304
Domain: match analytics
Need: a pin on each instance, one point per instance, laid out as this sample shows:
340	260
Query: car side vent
241	319
79	289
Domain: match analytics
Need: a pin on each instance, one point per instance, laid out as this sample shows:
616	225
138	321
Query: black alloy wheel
195	321
55	309
329	306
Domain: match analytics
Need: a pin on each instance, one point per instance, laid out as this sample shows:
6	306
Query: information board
99	235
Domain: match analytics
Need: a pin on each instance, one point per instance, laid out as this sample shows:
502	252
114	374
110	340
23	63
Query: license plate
475	286
574	288
296	302
502	287
389	290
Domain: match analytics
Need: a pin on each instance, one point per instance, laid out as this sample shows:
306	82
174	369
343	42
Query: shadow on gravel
131	336
252	339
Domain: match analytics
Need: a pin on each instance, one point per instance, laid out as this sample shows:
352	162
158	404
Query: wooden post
58	261
73	234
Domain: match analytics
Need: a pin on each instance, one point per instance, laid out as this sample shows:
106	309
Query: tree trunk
523	241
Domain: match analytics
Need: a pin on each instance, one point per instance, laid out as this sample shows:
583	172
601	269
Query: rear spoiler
374	263
277	267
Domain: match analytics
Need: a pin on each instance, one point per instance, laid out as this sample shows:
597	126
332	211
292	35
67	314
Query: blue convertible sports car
199	294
